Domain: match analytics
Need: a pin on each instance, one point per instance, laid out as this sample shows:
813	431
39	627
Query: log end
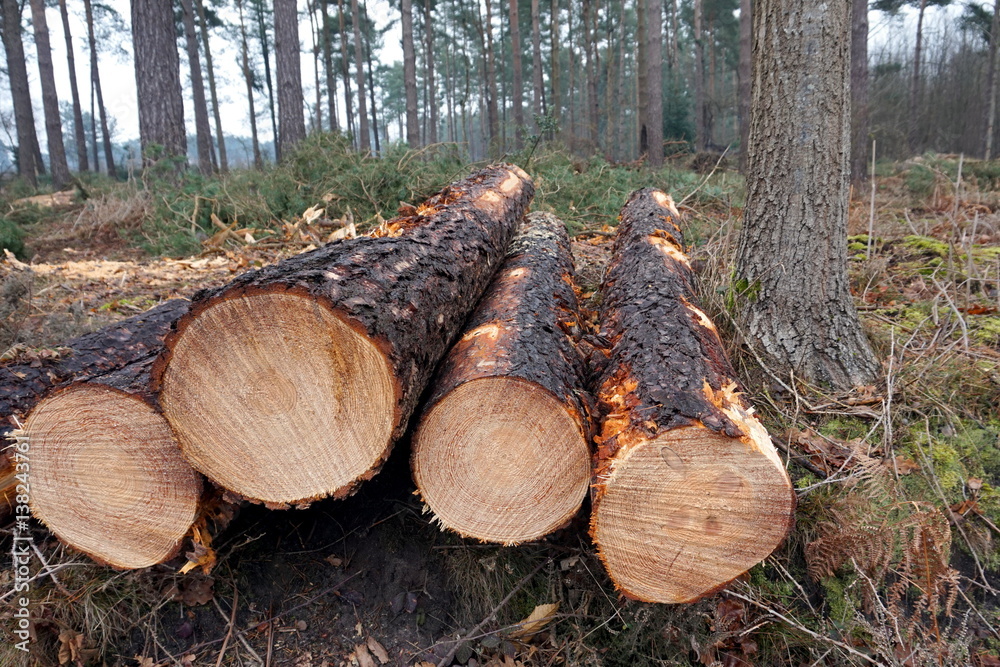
678	517
500	459
107	476
278	399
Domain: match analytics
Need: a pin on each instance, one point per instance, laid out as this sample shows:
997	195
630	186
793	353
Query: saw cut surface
500	459
277	399
108	478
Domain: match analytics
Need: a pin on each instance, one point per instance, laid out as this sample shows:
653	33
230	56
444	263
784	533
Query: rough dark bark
746	44
220	137
24	382
410	77
50	100
157	78
859	93
389	304
202	130
17	73
654	54
515	468
95	79
78	132
291	121
517	91
792	292
688	489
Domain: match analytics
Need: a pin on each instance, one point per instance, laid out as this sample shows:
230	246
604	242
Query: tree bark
331	78
590	51
371	87
210	68
517	91
258	159
913	117
50	100
95	78
410	77
554	66
345	67
991	88
432	106
654	114
688	489
364	141
369	318
491	79
859	93
700	129
202	130
78	130
157	79
101	415
265	50
791	286
291	119
538	92
746	44
515	469
642	73
17	73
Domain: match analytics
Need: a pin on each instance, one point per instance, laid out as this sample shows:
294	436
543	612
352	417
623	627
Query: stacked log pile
293	382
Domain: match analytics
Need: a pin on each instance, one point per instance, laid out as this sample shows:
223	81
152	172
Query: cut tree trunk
501	454
688	490
292	382
100	453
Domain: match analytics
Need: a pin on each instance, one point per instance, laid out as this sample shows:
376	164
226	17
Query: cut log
106	473
688	491
501	453
292	382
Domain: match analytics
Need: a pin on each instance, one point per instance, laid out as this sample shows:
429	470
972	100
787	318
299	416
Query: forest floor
893	560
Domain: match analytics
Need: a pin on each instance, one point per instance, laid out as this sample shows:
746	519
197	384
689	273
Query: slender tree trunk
554	71
654	113
491	77
449	92
410	76
345	69
359	61
517	93
331	78
699	80
793	296
502	78
642	73
210	68
50	100
95	79
17	72
258	160
203	132
265	49
371	89
538	105
314	33
590	51
291	114
571	90
991	89
78	131
859	93
916	81
93	127
746	27
157	77
432	117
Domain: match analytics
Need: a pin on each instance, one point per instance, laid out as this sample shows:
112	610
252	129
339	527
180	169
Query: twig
707	176
802	628
232	622
49	571
871	208
446	660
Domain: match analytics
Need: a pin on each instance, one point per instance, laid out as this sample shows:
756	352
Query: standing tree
291	118
17	71
654	57
991	87
432	107
538	92
517	90
359	59
554	39
210	68
794	301
202	130
78	131
859	93
410	77
158	79
248	76
743	112
700	107
95	85
50	101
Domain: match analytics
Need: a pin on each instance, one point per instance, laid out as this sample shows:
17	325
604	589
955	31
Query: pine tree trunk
991	88
157	78
914	116
331	77
688	492
859	93
538	90
78	130
746	48
50	100
210	67
291	118
554	65
364	140
369	318
792	292
265	50
17	74
345	69
515	469
371	89
590	51
642	73
100	449
491	80
432	106
258	159
517	92
95	78
202	130
700	130
410	77
654	53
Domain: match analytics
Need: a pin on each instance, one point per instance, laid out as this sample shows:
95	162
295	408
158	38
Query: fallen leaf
541	616
188	660
196	590
905	466
974	483
335	561
70	646
363	657
378	650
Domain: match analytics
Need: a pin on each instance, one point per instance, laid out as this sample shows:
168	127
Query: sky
118	77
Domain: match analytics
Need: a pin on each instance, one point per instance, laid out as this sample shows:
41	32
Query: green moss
986	330
987	254
844	428
838	600
926	245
